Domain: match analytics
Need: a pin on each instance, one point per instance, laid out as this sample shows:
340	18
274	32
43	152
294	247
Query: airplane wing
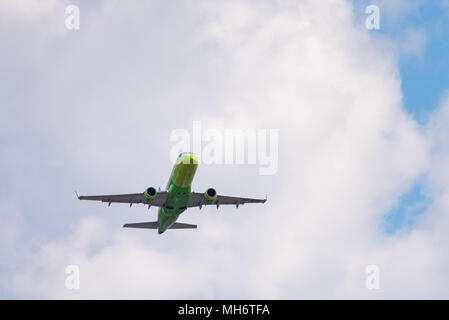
130	198
197	200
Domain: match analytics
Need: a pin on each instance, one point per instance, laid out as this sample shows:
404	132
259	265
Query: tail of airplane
154	225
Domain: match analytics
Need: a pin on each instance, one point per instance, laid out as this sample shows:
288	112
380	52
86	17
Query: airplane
175	199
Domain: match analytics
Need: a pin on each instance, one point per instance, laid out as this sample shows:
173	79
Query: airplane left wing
130	198
197	200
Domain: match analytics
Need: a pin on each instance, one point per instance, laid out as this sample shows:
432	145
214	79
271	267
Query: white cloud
29	8
348	150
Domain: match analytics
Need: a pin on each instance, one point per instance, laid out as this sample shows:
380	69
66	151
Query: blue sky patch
425	79
424	75
403	215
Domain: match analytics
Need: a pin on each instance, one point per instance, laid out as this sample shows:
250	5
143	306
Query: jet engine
210	196
149	195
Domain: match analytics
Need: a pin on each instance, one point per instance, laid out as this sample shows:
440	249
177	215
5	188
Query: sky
363	175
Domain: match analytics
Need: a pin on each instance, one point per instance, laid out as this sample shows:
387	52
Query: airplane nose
187	158
184	169
193	159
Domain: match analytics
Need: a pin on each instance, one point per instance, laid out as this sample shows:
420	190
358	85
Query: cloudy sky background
363	173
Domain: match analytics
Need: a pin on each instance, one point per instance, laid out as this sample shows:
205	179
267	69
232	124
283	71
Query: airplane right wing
197	200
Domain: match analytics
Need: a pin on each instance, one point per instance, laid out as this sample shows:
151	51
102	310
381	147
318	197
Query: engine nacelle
210	196
149	195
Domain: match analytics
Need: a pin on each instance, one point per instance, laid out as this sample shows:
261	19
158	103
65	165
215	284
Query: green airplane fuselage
178	189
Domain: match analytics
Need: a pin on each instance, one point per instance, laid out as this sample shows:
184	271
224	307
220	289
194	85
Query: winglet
79	198
266	198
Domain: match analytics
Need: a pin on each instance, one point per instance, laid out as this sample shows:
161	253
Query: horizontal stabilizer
143	225
178	225
154	225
